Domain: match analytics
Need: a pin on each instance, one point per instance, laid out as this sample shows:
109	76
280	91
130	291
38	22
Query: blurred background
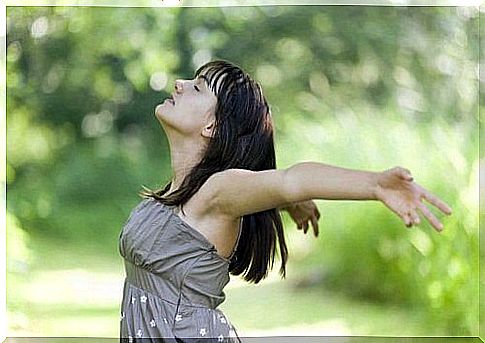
361	87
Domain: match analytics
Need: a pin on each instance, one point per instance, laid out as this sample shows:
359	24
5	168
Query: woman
229	192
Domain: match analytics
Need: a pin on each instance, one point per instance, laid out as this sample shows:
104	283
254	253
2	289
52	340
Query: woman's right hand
303	211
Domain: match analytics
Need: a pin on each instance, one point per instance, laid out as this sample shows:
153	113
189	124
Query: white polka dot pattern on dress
220	338
165	320
133	300
139	333
203	332
152	323
143	299
178	317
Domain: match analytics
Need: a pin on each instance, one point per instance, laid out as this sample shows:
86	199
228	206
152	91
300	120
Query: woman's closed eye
196	88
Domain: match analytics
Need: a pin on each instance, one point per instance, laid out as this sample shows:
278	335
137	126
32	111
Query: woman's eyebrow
202	77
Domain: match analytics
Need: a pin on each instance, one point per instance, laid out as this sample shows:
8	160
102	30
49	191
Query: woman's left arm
238	192
394	187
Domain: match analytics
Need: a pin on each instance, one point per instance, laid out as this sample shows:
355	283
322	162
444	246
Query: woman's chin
159	110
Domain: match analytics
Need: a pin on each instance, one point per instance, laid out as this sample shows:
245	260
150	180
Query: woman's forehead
212	78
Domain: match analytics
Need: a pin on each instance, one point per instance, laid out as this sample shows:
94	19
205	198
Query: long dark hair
243	139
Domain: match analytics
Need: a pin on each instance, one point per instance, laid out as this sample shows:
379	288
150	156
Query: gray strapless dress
174	280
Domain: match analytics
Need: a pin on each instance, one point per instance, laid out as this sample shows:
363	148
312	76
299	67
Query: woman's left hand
396	189
303	211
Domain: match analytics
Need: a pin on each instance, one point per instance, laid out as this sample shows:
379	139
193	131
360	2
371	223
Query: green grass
279	308
73	291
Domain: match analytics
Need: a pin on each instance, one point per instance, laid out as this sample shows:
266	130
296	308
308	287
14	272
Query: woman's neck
184	157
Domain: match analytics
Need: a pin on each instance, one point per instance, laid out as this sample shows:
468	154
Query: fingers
401	214
306	216
317	213
415	218
315	225
305	226
411	218
430	216
407	220
433	199
404	173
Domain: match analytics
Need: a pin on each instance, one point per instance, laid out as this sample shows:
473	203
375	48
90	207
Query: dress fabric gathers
174	280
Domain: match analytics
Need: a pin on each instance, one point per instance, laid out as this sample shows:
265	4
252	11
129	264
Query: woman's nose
178	86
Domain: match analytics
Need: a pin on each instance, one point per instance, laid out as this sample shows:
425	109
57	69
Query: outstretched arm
313	180
238	192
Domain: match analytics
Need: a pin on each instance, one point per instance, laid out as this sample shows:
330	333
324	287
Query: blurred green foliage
359	87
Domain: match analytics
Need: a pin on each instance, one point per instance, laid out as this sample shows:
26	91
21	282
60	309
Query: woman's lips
170	101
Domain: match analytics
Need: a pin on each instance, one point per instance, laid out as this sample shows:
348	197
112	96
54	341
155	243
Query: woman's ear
208	129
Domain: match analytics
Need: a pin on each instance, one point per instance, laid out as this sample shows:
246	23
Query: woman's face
191	111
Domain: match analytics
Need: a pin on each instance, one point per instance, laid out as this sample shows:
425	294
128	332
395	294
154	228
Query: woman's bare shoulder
203	203
238	192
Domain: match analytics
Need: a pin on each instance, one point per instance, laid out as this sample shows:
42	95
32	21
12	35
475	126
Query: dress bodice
174	277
